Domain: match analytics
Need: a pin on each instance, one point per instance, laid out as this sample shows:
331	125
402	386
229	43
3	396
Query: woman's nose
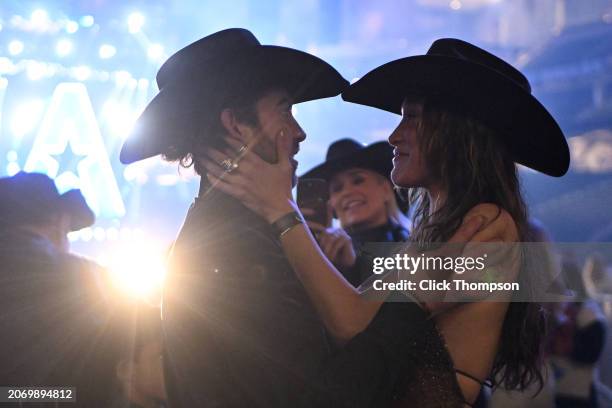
394	138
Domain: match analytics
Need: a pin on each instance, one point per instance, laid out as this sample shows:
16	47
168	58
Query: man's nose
300	135
298	132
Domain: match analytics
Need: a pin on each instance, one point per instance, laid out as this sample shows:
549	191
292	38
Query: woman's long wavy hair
473	166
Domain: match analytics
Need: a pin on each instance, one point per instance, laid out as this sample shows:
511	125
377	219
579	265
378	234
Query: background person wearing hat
30	202
363	200
52	306
239	328
467	118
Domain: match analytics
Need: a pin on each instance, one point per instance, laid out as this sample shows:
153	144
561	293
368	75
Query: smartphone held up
313	194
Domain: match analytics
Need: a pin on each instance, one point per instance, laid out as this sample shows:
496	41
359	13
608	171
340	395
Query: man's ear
235	128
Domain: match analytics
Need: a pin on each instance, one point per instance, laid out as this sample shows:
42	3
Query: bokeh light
135	22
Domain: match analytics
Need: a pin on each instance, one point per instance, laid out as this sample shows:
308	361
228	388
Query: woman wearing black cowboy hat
467	118
362	198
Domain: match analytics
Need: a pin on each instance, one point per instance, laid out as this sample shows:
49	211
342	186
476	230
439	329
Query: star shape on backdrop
68	160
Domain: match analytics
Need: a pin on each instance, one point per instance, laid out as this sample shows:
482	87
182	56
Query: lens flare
139	270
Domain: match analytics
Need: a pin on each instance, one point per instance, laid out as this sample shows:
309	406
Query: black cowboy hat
344	154
198	79
478	84
28	198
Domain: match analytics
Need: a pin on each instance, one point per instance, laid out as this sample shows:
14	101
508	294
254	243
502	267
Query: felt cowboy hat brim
530	132
193	85
28	197
73	202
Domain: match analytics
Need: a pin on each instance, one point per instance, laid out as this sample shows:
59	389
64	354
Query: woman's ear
233	127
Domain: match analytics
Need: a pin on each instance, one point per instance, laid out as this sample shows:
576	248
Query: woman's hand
336	244
261	186
499	225
495	242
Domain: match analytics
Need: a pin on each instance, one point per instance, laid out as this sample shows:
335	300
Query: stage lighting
119	118
12	169
122	78
11	156
35	70
143	84
135	22
6	67
71	27
99	234
15	47
138	269
63	47
26	116
87	21
106	51
130	173
86	234
455	4
39	19
112	234
82	72
155	52
126	234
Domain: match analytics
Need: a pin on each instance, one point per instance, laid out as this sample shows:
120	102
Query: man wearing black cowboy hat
30	201
50	300
239	328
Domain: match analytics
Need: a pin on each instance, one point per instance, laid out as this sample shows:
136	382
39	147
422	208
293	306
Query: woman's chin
354	220
406	176
398	177
350	222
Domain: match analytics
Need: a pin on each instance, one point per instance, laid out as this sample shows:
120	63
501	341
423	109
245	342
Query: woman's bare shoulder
498	226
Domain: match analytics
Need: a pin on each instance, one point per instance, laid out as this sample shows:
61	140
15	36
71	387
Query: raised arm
266	189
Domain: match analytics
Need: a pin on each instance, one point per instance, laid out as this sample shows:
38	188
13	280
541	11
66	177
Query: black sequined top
400	360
